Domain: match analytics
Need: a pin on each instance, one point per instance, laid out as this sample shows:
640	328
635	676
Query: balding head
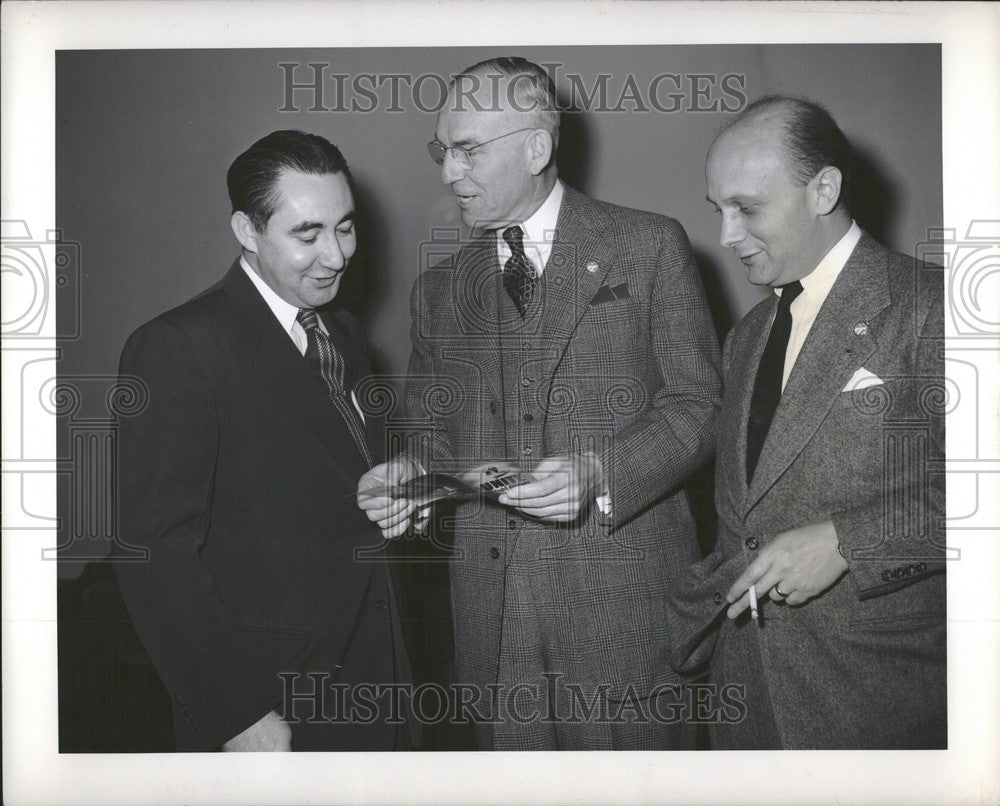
779	196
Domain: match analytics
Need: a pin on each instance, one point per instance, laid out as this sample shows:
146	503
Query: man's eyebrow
305	226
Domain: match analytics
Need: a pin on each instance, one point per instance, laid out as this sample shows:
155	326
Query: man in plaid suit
572	338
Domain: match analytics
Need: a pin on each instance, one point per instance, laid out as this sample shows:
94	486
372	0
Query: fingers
751	576
739	605
533	491
554	514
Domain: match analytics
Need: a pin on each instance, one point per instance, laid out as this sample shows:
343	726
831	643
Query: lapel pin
861	329
592	267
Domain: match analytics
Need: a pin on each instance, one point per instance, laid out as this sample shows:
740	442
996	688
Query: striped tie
326	361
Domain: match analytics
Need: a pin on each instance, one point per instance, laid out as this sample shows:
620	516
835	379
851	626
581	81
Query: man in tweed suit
572	338
827	502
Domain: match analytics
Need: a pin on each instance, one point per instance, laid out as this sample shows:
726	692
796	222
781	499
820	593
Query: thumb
546	467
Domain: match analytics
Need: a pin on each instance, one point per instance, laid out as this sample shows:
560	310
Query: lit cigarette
753	604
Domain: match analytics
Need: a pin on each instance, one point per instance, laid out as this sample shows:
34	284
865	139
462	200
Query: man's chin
323	295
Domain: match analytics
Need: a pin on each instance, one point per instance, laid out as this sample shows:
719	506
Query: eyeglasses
461	154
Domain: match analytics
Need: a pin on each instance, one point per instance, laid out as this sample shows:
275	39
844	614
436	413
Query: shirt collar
819	281
285	312
540	228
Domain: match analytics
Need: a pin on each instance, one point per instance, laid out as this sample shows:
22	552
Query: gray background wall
144	138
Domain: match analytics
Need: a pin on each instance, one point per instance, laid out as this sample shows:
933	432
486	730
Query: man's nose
332	256
732	231
451	169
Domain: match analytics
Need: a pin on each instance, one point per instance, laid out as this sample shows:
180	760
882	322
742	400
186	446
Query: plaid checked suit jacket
863	664
632	373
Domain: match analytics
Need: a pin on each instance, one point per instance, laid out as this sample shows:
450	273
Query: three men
827	502
570	337
236	478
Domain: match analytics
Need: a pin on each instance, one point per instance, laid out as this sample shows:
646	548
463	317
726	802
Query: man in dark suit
828	504
572	338
237	478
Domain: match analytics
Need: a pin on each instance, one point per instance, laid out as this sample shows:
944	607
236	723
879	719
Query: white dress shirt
286	314
539	231
815	287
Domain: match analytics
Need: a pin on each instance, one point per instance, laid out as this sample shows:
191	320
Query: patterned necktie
519	277
767	387
327	361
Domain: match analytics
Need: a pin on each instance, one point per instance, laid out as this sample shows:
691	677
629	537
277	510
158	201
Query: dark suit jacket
623	359
862	665
237	478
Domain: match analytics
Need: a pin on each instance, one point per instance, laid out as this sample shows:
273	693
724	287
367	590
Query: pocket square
607	293
862	379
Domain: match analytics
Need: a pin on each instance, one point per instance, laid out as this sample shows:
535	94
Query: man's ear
539	148
244	231
826	189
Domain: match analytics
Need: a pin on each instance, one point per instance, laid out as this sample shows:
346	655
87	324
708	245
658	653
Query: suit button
381	605
495	553
512	524
886	575
717	598
493	407
528	418
527	451
751	543
921	567
525	382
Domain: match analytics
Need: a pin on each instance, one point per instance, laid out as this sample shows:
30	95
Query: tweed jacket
863	664
621	358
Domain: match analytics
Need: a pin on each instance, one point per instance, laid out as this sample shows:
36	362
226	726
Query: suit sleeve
896	537
675	435
429	444
167	462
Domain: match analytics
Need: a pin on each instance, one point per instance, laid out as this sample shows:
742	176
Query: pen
753	604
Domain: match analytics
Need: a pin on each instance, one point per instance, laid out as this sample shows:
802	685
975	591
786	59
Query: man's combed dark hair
531	87
812	139
254	173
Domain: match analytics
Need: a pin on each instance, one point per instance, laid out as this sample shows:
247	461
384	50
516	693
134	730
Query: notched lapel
582	256
738	392
833	351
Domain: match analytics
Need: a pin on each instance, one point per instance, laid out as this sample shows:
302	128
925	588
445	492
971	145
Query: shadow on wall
874	197
712	274
369	267
575	148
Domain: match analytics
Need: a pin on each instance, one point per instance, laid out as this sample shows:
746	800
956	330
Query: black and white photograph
387	386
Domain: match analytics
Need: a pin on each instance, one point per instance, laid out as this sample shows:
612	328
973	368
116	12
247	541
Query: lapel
831	354
280	371
475	286
739	383
338	320
584	238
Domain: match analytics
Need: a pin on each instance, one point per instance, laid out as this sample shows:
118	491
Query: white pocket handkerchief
862	379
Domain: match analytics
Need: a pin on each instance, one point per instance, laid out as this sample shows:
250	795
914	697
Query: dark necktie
519	276
327	361
767	387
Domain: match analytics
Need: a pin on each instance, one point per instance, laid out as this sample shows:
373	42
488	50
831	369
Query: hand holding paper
565	486
392	514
